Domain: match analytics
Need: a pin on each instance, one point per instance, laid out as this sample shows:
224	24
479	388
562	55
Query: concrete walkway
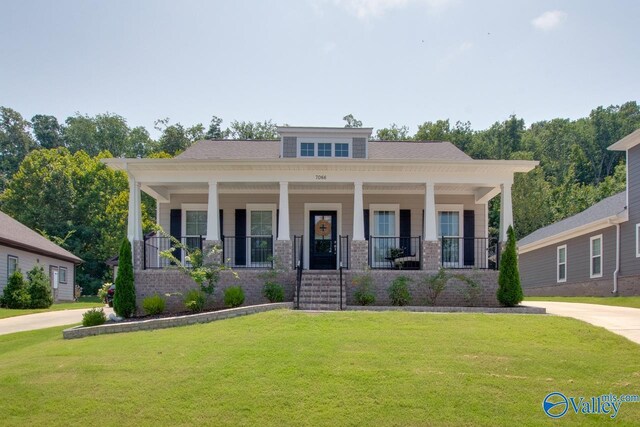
48	319
623	321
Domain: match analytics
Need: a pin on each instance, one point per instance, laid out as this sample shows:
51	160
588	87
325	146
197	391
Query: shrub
399	291
102	292
509	289
39	288
195	300
233	296
94	317
153	305
16	294
124	300
435	285
363	293
274	292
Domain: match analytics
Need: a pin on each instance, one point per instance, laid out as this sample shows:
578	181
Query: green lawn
350	368
633	302
83	302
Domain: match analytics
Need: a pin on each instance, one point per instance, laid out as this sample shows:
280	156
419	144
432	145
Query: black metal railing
468	252
298	263
247	251
154	245
395	253
344	262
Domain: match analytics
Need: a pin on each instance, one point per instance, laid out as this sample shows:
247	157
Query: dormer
324	142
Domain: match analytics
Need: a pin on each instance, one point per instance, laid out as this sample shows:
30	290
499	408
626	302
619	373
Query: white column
358	213
430	219
283	220
134	218
213	224
506	212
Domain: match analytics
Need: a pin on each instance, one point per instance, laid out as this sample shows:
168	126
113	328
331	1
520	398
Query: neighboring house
326	197
22	248
595	252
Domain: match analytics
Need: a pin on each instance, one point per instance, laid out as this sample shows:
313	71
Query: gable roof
606	208
18	235
378	150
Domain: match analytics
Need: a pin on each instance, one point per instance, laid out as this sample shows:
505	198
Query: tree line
52	180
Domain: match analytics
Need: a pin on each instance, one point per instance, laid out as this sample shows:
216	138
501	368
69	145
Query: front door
323	247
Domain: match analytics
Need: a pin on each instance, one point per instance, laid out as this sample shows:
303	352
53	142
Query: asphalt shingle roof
603	209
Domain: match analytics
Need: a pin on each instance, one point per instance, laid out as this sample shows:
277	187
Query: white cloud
549	20
365	9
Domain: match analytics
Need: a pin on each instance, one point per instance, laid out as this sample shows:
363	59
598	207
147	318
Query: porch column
430	232
213	225
134	219
358	213
283	220
506	213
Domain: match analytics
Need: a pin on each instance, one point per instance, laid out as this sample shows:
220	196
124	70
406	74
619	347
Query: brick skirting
421	309
627	286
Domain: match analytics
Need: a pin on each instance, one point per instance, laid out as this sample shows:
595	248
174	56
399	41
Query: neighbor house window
562	263
324	149
62	275
12	265
342	150
307	149
637	240
596	256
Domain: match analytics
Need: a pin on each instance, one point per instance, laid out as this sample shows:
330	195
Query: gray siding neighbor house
595	252
22	248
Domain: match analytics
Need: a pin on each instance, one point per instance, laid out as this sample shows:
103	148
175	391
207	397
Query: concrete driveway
623	321
48	319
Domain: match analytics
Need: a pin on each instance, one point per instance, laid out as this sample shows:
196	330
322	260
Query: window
324	149
62	275
385	223
196	223
12	265
261	225
342	150
637	240
450	232
307	149
562	263
596	256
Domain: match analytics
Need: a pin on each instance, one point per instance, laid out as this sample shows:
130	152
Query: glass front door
323	240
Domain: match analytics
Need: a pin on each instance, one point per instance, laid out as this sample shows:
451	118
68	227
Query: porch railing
154	245
345	255
248	251
395	253
468	252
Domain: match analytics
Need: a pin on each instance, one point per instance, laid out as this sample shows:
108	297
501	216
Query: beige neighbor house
595	252
22	248
326	200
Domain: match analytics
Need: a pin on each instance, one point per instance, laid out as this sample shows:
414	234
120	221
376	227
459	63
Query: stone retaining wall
170	322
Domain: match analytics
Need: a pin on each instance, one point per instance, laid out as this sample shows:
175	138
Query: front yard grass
633	302
345	368
83	302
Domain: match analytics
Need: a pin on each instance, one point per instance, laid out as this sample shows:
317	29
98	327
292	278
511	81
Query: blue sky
310	62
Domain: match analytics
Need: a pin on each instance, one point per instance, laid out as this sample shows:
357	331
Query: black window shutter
405	230
366	224
277	223
241	241
175	229
469	237
221	224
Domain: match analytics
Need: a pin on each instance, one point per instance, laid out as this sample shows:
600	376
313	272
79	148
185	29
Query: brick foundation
283	251
359	254
138	254
627	286
431	255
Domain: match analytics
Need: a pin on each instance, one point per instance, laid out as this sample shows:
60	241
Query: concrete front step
320	290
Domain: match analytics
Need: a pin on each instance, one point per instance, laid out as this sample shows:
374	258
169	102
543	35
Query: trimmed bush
509	289
363	293
233	296
16	294
94	317
274	292
399	291
124	299
153	305
39	288
195	300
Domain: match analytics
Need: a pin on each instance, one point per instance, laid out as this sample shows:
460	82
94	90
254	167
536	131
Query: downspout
615	273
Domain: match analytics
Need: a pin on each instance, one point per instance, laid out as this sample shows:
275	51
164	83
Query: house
595	252
321	199
22	248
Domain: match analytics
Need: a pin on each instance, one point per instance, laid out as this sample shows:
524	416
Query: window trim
9	258
452	208
638	240
60	269
558	264
331	148
395	207
191	207
591	256
324	140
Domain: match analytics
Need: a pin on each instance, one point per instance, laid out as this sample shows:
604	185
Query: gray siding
538	267
289	146
359	148
629	263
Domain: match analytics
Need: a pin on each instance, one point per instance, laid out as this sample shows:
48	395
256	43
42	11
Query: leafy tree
16	294
124	298
430	131
176	138
139	143
47	130
215	130
532	202
80	133
509	290
266	130
352	122
15	142
39	288
393	133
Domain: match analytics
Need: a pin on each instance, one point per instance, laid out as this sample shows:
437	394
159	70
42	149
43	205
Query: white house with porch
322	200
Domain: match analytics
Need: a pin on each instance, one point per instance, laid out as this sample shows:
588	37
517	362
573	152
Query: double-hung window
12	265
62	274
595	244
562	263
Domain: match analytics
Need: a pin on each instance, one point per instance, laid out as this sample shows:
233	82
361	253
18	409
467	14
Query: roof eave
627	142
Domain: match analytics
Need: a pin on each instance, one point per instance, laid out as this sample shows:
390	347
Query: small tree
124	297
509	289
39	288
15	293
